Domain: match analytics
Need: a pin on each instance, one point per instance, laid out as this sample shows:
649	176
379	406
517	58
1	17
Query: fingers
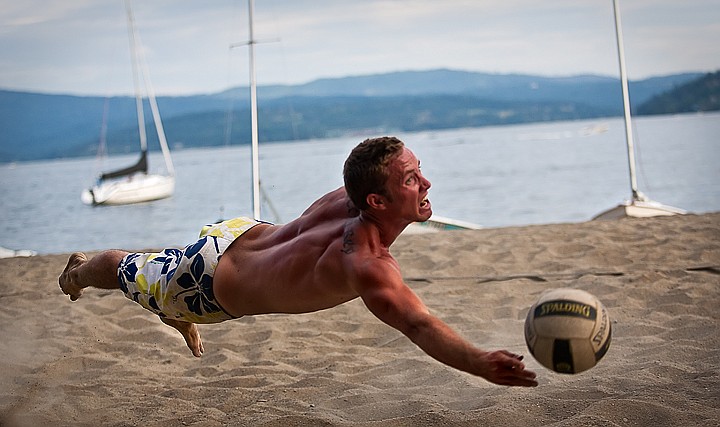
513	362
509	370
519	376
520	382
513	355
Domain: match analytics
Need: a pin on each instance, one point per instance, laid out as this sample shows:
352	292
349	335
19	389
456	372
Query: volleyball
568	330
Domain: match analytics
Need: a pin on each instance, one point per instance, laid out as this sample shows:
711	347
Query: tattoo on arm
348	244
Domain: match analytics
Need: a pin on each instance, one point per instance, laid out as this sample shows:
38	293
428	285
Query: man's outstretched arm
393	302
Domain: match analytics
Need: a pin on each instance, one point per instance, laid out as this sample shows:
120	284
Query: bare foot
66	284
190	332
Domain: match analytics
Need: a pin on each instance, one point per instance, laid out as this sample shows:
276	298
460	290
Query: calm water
496	176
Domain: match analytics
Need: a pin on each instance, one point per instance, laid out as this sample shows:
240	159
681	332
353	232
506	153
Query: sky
80	47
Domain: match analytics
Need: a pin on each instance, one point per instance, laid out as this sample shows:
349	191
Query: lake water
494	176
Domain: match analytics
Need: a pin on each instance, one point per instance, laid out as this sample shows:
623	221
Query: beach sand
104	361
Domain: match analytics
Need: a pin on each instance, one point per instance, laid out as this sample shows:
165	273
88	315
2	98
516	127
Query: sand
105	361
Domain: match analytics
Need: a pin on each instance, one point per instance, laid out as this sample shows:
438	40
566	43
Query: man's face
408	188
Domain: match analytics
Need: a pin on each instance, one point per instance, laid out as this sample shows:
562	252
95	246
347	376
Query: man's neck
387	230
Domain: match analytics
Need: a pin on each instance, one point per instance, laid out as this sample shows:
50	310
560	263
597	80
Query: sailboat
133	184
434	224
640	206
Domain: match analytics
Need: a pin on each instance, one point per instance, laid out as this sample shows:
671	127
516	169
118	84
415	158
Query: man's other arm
386	295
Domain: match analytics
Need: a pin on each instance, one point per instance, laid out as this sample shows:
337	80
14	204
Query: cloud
80	46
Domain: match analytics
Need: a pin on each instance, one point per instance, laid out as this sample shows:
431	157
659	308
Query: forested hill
698	95
42	126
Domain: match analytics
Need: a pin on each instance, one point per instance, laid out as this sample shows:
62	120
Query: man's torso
302	266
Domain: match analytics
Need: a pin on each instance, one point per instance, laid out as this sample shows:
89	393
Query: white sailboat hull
639	209
438	223
135	189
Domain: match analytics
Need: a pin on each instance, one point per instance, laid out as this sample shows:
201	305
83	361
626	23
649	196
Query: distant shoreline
388	103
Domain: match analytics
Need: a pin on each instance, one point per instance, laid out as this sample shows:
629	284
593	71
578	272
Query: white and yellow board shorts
178	283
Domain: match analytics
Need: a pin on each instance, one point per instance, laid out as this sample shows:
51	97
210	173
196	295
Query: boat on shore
639	206
438	223
16	253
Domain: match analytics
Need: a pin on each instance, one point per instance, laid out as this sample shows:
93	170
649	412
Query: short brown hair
365	171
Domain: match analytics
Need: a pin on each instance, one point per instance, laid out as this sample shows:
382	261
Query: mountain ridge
42	126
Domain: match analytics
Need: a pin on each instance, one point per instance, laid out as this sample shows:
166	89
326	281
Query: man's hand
505	368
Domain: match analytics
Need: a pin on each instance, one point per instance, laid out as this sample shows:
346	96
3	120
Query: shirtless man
336	251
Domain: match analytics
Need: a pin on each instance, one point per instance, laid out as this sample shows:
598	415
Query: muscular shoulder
323	220
370	264
336	204
377	279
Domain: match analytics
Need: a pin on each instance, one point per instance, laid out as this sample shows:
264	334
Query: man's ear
375	201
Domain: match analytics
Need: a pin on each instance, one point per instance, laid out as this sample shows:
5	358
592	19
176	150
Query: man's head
366	169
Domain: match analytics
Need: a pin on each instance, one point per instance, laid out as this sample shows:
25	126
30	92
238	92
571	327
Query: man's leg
99	272
190	332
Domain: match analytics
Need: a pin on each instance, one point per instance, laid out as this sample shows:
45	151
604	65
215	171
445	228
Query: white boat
134	184
438	223
13	253
135	188
639	206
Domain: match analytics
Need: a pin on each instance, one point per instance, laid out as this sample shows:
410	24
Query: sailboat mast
626	102
136	80
140	64
254	118
102	149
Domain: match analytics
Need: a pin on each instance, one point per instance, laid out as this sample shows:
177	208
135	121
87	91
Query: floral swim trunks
178	283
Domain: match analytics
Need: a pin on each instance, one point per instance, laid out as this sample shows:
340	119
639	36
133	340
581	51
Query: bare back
298	267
